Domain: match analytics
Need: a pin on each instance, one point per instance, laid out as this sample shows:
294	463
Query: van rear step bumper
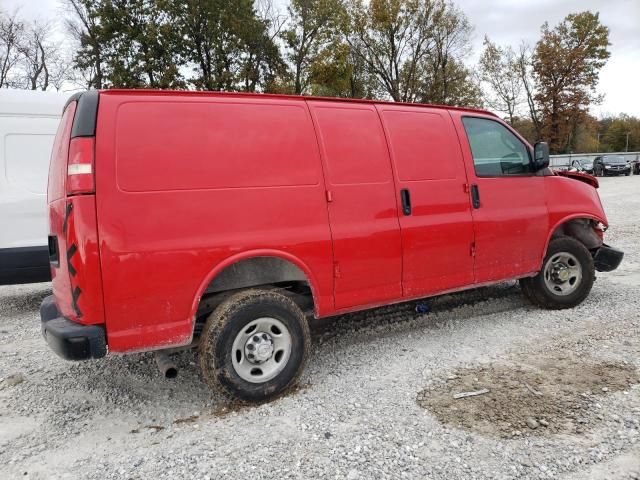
68	339
607	258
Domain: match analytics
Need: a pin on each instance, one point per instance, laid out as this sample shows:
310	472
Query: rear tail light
80	174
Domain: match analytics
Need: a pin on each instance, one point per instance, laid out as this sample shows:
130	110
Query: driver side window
497	152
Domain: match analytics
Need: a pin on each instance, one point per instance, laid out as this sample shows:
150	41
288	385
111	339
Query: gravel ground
376	399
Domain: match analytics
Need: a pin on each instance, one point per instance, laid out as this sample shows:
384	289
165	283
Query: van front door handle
406	201
475	196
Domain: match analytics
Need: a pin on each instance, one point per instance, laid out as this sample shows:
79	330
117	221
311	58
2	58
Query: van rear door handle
406	201
475	196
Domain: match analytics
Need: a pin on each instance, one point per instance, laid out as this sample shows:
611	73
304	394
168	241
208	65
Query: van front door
361	202
508	199
435	215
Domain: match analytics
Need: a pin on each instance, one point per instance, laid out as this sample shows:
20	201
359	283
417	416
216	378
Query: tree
567	62
11	36
414	49
42	61
262	60
338	72
313	24
445	78
499	69
451	84
227	44
83	24
615	137
524	67
394	39
141	44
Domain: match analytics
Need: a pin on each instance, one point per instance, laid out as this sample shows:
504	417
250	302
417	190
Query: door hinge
336	270
329	196
473	249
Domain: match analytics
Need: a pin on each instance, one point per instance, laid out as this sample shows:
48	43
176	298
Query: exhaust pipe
166	365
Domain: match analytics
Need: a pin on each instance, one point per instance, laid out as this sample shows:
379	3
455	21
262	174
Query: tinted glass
614	159
496	151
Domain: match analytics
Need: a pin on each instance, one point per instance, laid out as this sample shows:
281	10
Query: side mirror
540	156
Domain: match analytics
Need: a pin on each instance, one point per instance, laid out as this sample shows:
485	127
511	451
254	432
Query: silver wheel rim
562	274
261	350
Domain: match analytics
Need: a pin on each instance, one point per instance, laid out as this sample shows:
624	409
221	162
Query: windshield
614	159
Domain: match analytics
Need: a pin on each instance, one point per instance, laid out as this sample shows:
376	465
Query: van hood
583	177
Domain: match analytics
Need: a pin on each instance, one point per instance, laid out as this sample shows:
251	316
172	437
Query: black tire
536	289
228	321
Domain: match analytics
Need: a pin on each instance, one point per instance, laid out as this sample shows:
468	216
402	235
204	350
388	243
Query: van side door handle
406	201
475	196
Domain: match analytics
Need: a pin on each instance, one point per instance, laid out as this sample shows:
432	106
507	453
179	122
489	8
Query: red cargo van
223	220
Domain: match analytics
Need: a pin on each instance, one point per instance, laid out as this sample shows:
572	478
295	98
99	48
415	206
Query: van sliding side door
435	216
361	202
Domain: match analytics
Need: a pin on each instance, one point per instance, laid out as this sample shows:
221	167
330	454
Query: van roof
189	93
32	102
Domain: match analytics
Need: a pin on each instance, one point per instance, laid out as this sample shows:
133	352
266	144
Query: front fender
568	199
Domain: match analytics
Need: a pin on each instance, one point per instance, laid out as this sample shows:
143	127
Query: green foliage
566	64
404	50
226	44
615	131
414	49
141	44
314	25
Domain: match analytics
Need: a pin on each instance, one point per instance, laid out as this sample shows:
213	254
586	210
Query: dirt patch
537	396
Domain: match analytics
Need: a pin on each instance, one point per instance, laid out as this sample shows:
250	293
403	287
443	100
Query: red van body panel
178	196
362	206
369	200
512	224
568	198
76	276
438	233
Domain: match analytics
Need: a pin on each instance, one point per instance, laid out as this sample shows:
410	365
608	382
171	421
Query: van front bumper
607	258
70	340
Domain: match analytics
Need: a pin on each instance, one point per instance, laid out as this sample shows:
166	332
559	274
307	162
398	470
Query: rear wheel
254	345
566	277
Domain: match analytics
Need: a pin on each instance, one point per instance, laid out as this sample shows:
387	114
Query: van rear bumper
68	339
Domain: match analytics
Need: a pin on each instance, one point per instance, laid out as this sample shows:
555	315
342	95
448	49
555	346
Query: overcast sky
508	22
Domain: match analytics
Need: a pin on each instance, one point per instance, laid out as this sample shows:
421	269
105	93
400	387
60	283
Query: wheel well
582	229
266	272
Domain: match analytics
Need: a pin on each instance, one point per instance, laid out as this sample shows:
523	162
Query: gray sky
508	22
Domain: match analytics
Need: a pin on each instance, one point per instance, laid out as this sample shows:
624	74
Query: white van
28	123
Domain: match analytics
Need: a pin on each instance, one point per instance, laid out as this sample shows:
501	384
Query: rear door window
497	152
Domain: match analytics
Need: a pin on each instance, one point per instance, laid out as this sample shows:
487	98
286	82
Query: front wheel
254	345
566	277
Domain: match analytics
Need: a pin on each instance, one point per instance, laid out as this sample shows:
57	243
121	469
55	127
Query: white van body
28	124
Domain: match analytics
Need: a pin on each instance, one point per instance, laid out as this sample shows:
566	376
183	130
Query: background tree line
400	50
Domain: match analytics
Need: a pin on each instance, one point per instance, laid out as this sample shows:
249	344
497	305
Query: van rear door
73	234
